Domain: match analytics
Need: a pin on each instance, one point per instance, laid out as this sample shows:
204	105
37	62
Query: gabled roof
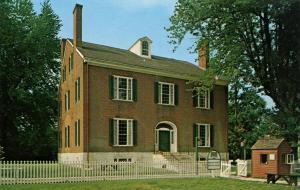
267	143
105	56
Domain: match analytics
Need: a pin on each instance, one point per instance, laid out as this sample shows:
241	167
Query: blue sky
119	23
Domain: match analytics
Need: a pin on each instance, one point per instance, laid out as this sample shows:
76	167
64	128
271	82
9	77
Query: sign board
213	160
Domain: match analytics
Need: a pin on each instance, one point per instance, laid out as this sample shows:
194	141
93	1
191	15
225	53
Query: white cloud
144	4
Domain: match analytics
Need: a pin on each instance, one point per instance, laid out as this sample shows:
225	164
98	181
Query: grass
157	184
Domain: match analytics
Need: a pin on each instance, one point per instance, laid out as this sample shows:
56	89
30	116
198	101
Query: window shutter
78	83
195	133
211	136
212	99
111	86
195	98
156	92
72	61
111	132
135	134
176	94
75	91
134	87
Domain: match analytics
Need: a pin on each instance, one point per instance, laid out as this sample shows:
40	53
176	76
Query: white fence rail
28	172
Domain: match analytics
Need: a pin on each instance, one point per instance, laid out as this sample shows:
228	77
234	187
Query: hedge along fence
28	172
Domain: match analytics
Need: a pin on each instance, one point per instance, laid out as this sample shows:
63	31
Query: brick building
130	104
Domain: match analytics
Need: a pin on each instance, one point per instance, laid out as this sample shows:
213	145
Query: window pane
145	48
165	94
202	135
122	132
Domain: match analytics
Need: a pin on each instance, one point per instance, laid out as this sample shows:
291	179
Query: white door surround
173	134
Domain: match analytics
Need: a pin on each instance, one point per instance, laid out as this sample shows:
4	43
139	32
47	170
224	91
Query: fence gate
242	168
225	169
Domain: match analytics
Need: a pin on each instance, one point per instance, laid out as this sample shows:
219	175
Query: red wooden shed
270	155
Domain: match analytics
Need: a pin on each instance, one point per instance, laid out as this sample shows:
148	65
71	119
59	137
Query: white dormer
142	47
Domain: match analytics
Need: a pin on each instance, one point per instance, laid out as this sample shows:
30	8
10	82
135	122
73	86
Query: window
123	133
67	101
64	73
67	136
203	135
122	88
165	93
264	159
71	63
77	90
289	159
77	133
145	48
203	100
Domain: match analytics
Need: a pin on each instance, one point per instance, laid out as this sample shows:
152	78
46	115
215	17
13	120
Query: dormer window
142	47
145	48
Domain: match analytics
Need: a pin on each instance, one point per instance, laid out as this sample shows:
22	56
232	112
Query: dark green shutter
78	98
176	94
195	133
111	132
156	92
195	98
134	86
135	134
111	86
212	99
211	136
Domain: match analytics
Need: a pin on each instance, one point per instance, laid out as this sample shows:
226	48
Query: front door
164	141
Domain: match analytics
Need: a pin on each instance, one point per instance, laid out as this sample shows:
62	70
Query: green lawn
156	184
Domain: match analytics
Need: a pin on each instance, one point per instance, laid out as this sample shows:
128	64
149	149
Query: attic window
145	48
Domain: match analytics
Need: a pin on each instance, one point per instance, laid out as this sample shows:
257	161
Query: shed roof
267	143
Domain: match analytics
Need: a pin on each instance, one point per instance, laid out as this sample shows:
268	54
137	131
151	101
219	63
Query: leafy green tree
29	76
261	37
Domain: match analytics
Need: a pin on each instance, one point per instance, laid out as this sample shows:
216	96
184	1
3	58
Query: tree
262	37
249	119
29	76
1	153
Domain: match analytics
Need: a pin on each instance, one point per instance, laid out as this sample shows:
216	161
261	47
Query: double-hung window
67	101
67	136
122	88
203	132
77	133
203	100
145	48
166	93
77	90
123	132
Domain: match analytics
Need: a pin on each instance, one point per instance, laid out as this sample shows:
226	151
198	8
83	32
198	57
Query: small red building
271	155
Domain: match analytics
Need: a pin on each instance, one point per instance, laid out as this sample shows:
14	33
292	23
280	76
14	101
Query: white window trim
171	96
67	100
116	128
207	101
207	138
287	159
116	95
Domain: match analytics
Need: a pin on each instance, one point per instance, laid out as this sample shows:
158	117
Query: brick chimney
203	56
77	21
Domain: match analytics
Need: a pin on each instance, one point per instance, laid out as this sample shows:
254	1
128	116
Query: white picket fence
28	172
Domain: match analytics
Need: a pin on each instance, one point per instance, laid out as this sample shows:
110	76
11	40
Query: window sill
122	145
123	100
202	108
166	104
204	147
